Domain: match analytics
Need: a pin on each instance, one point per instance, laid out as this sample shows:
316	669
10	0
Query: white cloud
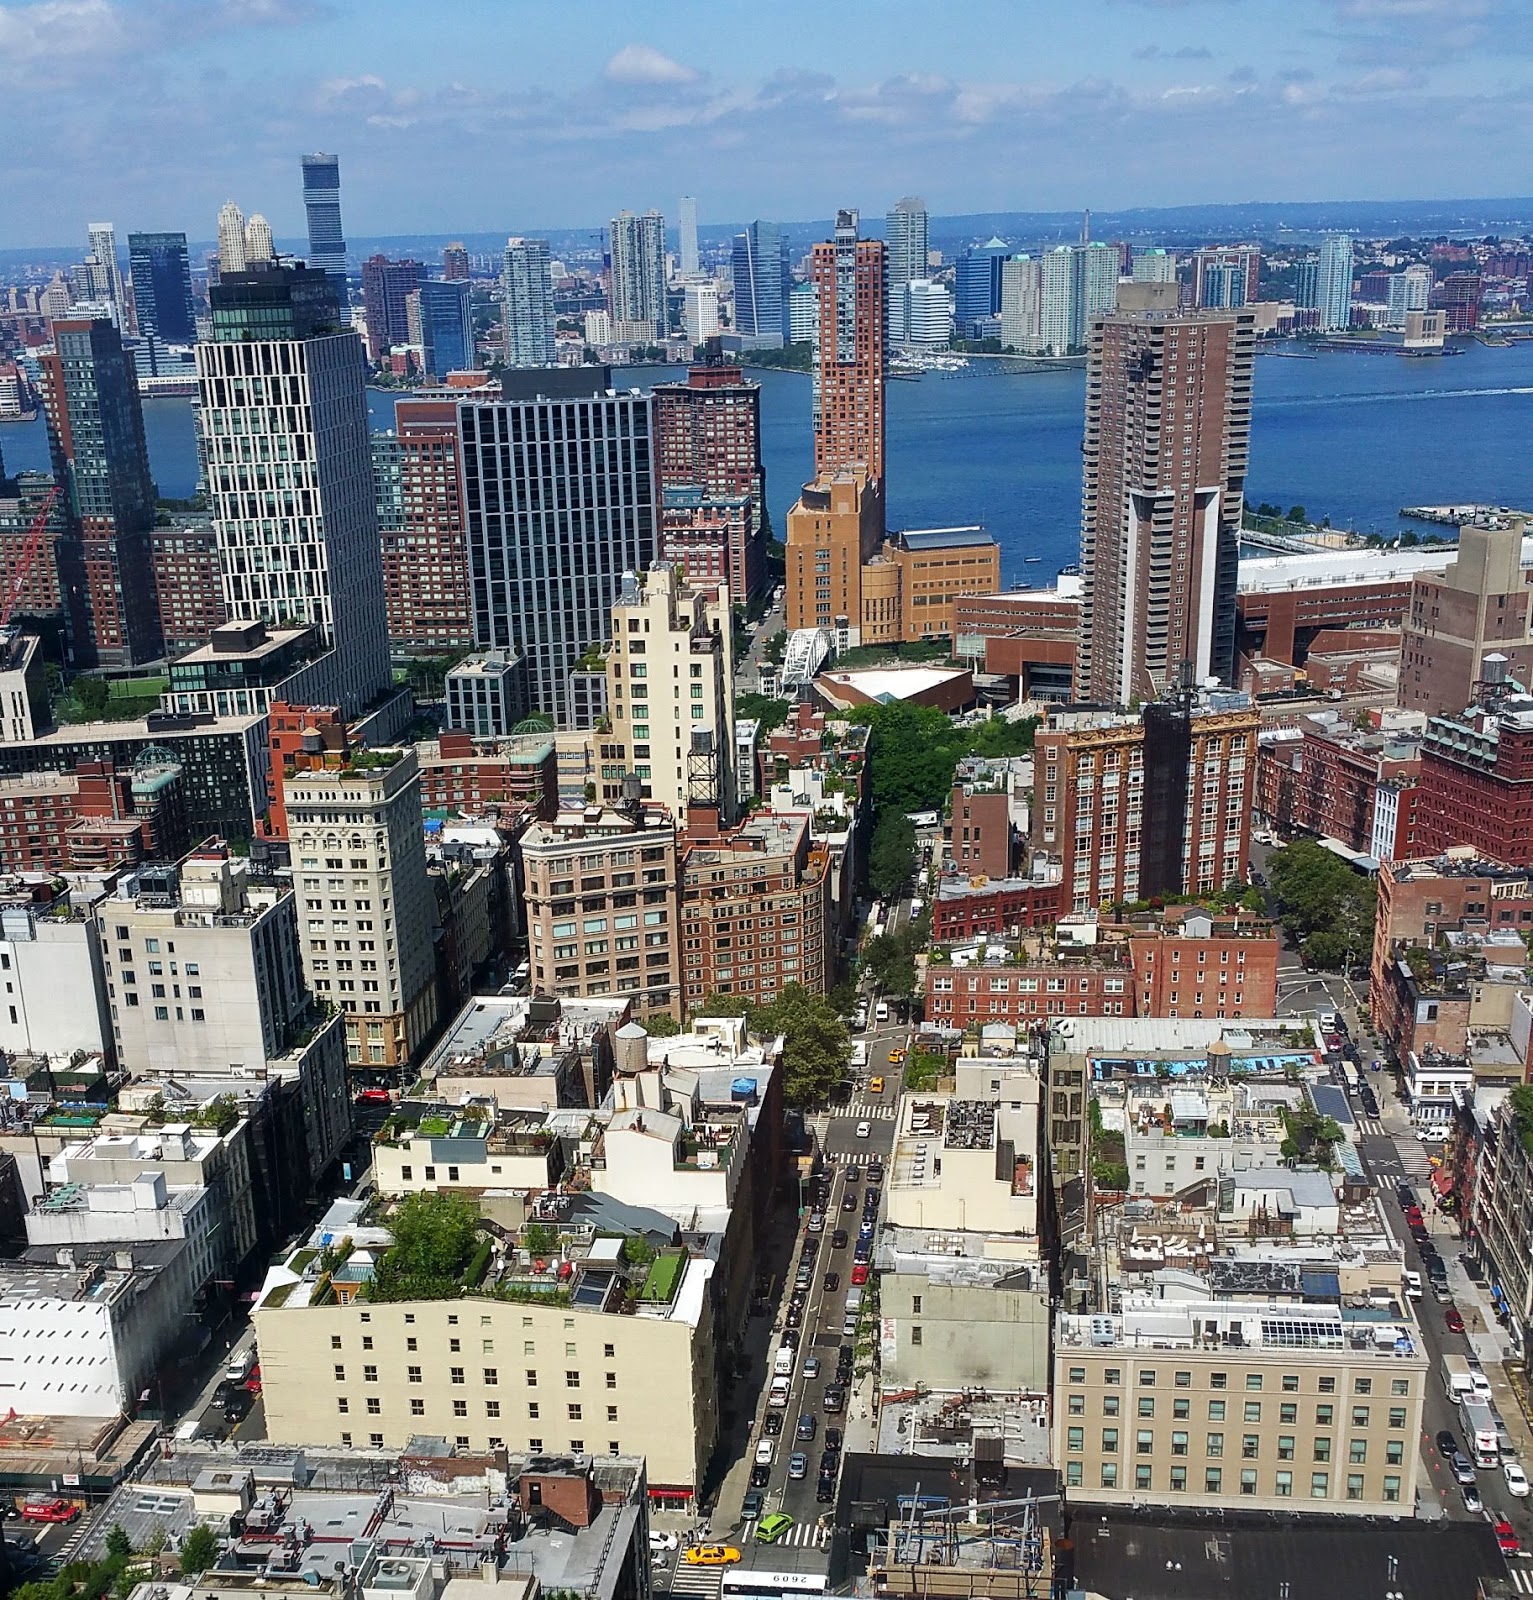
643	64
58	29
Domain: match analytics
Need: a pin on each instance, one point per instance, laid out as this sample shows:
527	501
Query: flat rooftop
1332	568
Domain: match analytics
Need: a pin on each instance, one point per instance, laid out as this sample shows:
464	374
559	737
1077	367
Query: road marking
866	1111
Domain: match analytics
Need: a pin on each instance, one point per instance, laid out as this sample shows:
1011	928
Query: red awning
1442	1181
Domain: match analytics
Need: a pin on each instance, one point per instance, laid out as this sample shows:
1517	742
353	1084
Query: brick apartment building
483	777
965	907
980	838
94	819
1477	781
188	584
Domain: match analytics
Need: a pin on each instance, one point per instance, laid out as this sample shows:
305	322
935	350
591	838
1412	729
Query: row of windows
373	1407
1282	1486
1254	1381
1288	1410
1250	1445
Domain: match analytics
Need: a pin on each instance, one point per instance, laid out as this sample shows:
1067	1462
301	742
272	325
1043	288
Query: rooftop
1270	574
946	538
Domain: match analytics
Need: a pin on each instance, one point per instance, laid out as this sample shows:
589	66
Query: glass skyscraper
761	282
977	283
162	287
1333	281
447	332
527	304
322	203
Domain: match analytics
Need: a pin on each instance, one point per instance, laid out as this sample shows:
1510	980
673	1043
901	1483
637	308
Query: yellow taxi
875	1085
710	1555
896	1055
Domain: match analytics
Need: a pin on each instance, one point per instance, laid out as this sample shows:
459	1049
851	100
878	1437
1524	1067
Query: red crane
29	553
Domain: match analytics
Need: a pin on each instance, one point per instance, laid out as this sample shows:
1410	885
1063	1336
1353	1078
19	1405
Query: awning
1442	1181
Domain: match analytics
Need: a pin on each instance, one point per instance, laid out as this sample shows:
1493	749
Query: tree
117	1541
91	694
816	1044
889	962
892	854
1296	514
1327	906
434	1237
662	1025
759	708
539	1239
199	1550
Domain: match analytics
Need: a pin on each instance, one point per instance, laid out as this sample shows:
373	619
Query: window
1111	1375
1248	1480
1250	1446
456	1374
335	1341
1283	1485
1077	1405
1075	1439
1147	1405
1144	1442
492	1408
612	1380
1288	1412
1213	1480
1400	1386
532	1411
1394	1452
1285	1447
492	1376
417	1406
374	1405
1354	1486
1290	1383
1359	1416
571	1380
369	1374
1357	1452
413	1374
1397	1416
1184	1380
1109	1474
1214	1445
532	1378
535	1445
375	1441
1253	1380
1216	1411
610	1351
1323	1416
574	1412
1109	1441
1362	1386
1181	1409
1328	1385
1253	1411
1147	1378
460	1408
1077	1374
1110	1404
1178	1444
1073	1474
1142	1477
342	1404
1319	1485
1218	1380
577	1445
340	1374
1391	1488
1322	1449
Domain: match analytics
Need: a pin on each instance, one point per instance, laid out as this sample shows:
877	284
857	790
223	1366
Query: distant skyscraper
1056	291
927	314
1160	531
1093	287
688	230
803	314
1410	290
322	205
638	277
385	287
527	304
447	329
552	530
1153	265
162	287
1021	297
100	460
700	310
759	266
259	248
1306	289
455	263
849	275
103	245
905	232
1333	282
1226	277
297	404
231	238
977	283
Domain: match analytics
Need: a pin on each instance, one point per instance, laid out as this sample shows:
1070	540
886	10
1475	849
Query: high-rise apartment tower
905	232
638	277
322	205
849	276
162	287
527	304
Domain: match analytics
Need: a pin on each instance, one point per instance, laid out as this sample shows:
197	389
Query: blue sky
488	114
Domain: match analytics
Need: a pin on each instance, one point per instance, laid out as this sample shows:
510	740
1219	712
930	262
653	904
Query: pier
1456	516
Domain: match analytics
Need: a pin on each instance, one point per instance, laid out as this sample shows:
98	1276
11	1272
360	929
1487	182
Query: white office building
928	314
1333	282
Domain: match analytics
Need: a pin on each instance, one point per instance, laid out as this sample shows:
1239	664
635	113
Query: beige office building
366	908
670	695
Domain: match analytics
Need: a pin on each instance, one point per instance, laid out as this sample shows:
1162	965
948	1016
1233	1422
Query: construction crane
30	548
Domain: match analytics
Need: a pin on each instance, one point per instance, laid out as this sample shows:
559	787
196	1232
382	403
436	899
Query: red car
860	1273
49	1509
1506	1537
1413	1216
1454	1319
375	1097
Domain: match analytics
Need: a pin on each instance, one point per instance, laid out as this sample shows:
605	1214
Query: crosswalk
698	1583
801	1536
1413	1157
1522	1579
866	1111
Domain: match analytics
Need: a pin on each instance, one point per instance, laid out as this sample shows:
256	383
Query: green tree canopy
816	1042
892	854
434	1238
1327	906
199	1549
761	708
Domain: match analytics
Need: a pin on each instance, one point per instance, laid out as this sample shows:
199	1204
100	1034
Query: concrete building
621	1357
755	907
24	711
550	533
1182	1141
202	966
700	311
1162	500
1226	276
487	694
386	289
849	274
668	635
906	236
1481	605
1158	803
527	304
622	936
54	992
1029	636
1333	283
322	213
638	278
281	375
928	314
355	835
101	462
834	529
84	1340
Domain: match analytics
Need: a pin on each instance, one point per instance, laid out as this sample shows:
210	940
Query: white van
782	1364
882	1013
1412	1284
777	1396
239	1366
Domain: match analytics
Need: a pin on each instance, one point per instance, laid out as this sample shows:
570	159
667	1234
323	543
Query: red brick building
188	585
1477	784
1325	777
484	777
1279	622
979	829
1029	636
294	731
421	529
964	908
710	479
1459	296
93	819
1196	964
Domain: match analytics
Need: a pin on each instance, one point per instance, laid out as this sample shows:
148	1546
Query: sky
476	115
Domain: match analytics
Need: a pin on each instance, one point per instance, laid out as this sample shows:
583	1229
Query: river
1351	437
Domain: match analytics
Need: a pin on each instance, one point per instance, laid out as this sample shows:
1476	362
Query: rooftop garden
663	1277
436	1241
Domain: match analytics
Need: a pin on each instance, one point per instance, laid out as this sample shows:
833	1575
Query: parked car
760	1477
835	1400
766	1451
853	1173
1453	1320
1516	1478
752	1505
1506	1536
825	1488
875	1172
661	1540
833	1439
773	1424
48	1508
860	1273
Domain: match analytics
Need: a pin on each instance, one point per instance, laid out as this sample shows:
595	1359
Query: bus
750	1584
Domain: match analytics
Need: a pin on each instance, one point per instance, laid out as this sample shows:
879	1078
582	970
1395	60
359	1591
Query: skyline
1124	103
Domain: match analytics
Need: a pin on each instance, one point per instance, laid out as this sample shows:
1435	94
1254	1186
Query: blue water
1350	437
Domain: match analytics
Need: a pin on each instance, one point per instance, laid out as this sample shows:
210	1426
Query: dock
1456	516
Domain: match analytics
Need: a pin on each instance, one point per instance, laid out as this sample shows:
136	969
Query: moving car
832	1282
1453	1320
1506	1537
838	1239
811	1366
849	1200
1516	1479
752	1504
897	1055
875	1172
1447	1444
1462	1467
798	1465
806	1427
663	1540
864	1130
374	1097
772	1527
876	1083
1471	1497
853	1173
710	1555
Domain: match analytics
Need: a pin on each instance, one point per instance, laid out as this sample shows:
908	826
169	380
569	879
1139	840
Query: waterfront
1345	437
